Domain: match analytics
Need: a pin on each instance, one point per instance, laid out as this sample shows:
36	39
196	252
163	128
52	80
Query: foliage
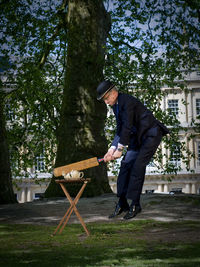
153	45
34	89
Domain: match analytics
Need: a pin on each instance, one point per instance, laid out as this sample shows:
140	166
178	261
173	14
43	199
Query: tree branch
49	45
117	43
61	14
195	5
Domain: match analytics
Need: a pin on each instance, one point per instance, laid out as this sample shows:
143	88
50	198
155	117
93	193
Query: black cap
103	88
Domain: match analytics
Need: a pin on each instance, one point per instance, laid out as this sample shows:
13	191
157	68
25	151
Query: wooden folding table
63	183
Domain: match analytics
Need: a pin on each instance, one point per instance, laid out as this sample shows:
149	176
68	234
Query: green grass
111	244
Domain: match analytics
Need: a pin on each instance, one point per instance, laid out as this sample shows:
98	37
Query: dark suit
141	132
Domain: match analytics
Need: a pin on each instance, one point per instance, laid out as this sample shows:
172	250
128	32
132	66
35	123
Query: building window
40	163
198	73
175	156
198	106
198	154
173	106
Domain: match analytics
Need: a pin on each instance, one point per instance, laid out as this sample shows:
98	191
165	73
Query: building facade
185	105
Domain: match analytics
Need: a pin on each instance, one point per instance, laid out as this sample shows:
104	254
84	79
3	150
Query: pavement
159	207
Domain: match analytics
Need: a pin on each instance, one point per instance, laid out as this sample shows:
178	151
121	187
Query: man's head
107	92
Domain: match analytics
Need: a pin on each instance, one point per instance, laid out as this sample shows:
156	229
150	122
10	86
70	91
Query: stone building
185	181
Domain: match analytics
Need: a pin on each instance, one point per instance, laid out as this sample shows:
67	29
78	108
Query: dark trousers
133	166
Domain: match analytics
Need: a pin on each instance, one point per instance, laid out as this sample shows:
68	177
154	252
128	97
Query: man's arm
127	115
115	151
109	155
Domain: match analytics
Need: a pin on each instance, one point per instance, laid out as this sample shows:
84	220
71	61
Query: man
140	133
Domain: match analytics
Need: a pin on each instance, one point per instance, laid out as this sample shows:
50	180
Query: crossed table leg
73	203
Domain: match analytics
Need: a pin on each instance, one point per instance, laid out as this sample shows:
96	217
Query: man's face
110	98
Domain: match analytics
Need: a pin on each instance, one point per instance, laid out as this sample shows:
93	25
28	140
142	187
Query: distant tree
6	190
41	41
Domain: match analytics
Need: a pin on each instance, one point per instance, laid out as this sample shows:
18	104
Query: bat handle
100	160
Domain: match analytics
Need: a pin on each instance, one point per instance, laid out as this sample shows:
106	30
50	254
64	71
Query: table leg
71	208
62	220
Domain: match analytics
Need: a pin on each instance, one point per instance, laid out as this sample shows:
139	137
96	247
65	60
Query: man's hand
109	155
117	154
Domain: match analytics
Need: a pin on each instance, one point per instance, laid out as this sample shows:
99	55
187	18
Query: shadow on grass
113	244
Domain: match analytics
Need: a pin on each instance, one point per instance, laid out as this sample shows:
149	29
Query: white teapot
74	174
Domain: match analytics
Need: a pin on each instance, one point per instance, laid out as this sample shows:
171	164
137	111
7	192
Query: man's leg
123	181
137	175
125	171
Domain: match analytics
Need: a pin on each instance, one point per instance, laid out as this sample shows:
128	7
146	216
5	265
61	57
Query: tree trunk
6	190
81	133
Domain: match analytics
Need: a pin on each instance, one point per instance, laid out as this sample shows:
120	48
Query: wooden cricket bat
80	165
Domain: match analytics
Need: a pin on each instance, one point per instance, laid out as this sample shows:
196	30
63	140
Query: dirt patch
183	233
158	207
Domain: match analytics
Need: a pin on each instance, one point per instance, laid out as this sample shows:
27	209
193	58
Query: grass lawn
132	243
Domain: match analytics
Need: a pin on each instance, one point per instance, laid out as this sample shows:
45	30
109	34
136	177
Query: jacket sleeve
127	115
115	141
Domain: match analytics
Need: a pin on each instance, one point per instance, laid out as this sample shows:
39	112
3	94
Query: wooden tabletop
72	180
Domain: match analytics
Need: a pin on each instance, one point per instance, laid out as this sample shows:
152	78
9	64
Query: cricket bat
80	165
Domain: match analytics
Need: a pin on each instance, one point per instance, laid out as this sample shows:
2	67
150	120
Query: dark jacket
135	120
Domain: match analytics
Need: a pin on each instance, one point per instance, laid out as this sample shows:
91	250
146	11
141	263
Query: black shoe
133	211
118	211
